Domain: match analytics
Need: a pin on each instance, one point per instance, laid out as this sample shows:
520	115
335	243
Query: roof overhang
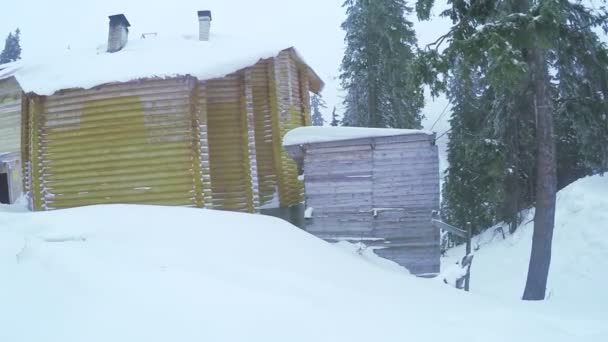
316	83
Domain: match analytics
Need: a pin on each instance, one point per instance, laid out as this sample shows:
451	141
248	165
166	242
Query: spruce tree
377	68
334	118
472	191
12	48
316	103
515	44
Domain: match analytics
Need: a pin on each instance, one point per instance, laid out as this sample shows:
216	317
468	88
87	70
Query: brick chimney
204	25
119	32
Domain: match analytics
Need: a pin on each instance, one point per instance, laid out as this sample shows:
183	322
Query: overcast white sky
312	26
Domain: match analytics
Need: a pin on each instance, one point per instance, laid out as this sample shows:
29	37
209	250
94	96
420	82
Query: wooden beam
442	225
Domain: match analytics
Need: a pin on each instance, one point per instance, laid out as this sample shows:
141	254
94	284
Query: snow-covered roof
152	57
9	69
317	134
9	156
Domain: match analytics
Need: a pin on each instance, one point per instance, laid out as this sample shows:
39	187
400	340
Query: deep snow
579	265
141	273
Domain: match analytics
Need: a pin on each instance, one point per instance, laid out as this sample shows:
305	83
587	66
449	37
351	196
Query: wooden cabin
375	186
203	130
10	135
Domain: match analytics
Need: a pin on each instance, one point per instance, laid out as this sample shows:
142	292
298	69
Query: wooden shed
10	135
375	186
203	130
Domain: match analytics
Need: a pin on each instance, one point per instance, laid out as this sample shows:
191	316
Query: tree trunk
546	180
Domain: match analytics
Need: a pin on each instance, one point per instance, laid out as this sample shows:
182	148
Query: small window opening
4	193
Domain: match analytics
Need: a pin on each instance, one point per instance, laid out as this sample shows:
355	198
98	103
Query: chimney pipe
119	32
204	25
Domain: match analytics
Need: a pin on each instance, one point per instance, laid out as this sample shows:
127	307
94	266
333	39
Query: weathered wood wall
10	135
380	190
10	115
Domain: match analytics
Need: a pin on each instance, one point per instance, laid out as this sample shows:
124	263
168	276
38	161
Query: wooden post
468	276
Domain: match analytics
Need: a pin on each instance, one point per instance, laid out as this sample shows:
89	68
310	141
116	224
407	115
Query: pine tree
316	103
12	48
334	118
472	191
515	44
377	69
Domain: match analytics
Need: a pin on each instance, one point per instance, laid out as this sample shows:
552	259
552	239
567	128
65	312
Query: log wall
177	141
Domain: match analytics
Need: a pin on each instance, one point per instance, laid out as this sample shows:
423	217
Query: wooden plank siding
10	115
178	141
381	190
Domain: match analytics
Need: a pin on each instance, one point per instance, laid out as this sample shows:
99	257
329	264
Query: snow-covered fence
462	280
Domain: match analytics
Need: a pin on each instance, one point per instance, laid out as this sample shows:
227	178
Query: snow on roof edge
8	70
311	71
319	134
165	57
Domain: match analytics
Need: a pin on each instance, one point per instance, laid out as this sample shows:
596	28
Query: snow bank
579	266
315	134
160	56
20	206
139	273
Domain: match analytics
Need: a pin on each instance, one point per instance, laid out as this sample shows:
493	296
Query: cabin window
4	194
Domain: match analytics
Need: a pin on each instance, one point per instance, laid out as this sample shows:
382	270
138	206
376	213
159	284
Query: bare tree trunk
546	180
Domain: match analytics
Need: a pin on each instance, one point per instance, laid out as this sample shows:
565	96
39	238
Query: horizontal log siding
397	176
305	95
181	141
10	116
262	110
228	144
203	127
198	143
118	143
25	145
290	116
249	128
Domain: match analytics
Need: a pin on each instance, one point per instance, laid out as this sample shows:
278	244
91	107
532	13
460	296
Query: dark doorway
4	198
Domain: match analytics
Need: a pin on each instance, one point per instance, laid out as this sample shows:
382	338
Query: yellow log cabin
207	138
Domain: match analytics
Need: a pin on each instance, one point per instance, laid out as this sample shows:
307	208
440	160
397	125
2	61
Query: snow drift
579	266
141	273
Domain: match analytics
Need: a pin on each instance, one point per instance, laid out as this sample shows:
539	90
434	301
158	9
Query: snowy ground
578	274
139	273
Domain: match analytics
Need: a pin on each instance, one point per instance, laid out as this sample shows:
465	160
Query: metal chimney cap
202	14
119	19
